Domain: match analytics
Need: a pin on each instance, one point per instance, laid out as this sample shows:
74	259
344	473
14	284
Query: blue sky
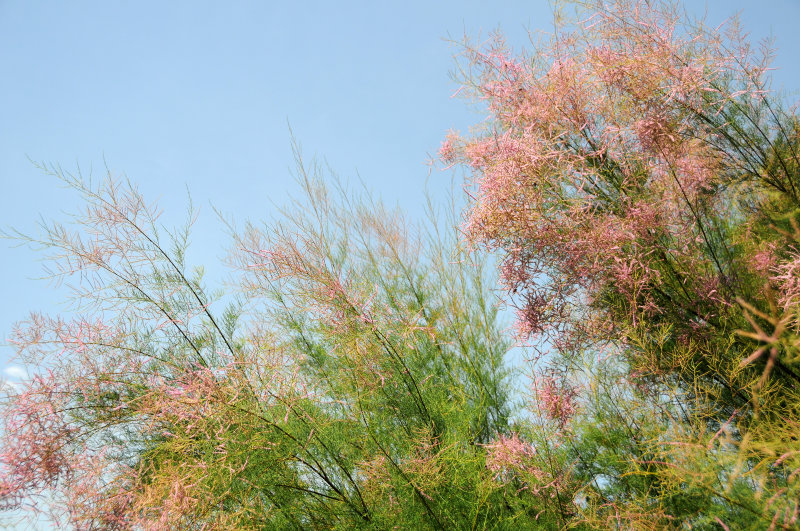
199	94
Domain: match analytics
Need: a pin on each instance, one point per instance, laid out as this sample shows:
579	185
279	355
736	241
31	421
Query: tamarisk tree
356	380
641	182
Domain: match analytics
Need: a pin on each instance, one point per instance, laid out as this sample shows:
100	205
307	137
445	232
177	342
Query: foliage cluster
354	381
640	181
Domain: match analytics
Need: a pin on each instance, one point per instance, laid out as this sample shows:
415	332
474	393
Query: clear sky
199	94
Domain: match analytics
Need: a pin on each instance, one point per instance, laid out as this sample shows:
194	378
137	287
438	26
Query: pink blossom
555	398
509	453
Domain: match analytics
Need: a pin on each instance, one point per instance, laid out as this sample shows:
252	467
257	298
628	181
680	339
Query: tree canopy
637	185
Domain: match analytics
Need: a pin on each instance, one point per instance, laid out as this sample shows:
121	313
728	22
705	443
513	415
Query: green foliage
357	379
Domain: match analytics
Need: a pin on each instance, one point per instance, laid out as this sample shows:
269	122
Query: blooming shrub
639	180
354	381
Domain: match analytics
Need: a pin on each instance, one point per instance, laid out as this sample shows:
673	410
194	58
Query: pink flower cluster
509	453
555	398
601	166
